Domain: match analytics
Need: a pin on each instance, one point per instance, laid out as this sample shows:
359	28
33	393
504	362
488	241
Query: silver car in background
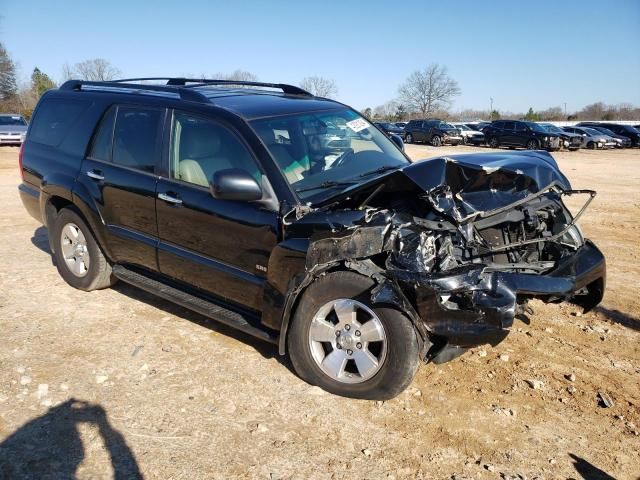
592	138
13	129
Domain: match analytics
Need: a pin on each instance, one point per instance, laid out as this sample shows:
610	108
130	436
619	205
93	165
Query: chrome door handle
95	175
169	198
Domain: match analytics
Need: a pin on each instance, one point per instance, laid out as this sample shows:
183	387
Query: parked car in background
469	135
570	141
621	140
591	138
436	132
624	130
13	128
478	125
390	128
516	133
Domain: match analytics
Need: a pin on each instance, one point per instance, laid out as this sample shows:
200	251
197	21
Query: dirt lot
119	383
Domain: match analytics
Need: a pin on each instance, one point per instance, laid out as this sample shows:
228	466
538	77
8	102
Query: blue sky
538	53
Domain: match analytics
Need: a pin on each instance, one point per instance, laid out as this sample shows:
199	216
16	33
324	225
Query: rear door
507	134
521	134
120	174
219	246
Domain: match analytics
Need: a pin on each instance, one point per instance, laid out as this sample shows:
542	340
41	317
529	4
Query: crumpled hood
463	185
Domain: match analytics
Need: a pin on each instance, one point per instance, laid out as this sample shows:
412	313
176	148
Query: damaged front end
461	244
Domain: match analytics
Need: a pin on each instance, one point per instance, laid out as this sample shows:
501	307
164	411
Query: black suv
515	133
293	219
435	132
624	130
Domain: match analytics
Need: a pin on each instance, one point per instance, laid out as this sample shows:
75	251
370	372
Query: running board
204	307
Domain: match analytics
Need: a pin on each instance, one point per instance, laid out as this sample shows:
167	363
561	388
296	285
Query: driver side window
201	147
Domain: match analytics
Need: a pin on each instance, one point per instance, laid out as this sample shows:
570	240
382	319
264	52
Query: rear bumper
30	197
472	307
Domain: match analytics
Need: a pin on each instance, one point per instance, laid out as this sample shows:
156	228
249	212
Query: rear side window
136	139
508	126
102	140
54	120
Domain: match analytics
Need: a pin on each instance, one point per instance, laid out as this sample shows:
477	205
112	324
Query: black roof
249	100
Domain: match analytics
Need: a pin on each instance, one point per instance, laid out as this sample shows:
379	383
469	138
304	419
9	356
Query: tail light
20	160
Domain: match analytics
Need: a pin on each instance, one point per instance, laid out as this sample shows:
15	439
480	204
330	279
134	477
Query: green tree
41	82
8	82
401	113
367	112
495	115
531	115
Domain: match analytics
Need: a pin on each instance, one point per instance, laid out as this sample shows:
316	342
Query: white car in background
13	129
469	135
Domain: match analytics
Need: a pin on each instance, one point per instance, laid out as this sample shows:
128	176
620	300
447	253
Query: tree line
426	93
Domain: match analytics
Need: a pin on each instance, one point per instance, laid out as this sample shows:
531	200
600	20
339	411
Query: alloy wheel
347	341
74	250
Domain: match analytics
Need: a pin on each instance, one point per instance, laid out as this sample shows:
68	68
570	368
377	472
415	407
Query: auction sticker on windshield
358	124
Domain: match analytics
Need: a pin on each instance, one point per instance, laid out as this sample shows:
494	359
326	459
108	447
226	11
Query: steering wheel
348	154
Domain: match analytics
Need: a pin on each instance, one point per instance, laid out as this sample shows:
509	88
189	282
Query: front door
219	246
119	173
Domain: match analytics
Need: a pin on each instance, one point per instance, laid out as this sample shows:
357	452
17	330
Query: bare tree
320	86
386	111
429	90
95	69
238	75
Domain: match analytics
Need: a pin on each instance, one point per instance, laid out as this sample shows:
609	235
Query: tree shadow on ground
50	446
589	471
621	318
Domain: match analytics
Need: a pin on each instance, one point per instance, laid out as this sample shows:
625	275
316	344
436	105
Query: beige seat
191	171
200	153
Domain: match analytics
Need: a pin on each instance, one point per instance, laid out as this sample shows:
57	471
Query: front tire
533	145
78	257
436	141
340	342
494	142
408	138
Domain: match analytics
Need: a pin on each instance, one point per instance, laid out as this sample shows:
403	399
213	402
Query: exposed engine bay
463	246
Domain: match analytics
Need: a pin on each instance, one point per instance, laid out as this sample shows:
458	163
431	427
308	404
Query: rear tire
394	358
77	255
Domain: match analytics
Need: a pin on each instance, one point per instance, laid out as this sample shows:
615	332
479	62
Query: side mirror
235	184
397	139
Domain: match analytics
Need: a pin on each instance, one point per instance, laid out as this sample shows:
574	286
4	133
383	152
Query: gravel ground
117	383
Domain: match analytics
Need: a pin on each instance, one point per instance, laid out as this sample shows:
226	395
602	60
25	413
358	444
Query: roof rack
199	82
184	94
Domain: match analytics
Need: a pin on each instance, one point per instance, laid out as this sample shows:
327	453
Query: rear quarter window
54	120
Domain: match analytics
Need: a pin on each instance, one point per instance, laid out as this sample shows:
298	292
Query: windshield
322	153
593	131
552	128
17	120
535	127
446	126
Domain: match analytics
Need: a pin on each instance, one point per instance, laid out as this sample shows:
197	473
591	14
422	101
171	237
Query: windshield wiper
327	184
382	169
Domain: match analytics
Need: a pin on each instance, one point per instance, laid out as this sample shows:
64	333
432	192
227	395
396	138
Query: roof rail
199	82
183	93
